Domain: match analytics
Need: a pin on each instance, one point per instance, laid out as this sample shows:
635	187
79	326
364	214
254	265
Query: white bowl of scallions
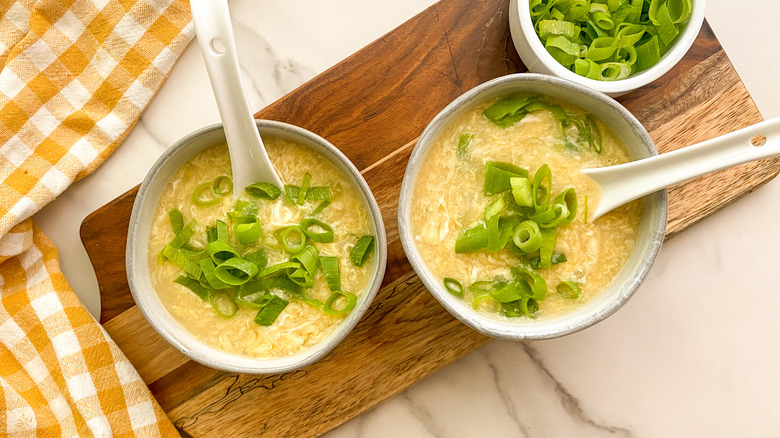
613	46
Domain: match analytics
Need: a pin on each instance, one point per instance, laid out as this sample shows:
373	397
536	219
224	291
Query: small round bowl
138	270
652	225
538	60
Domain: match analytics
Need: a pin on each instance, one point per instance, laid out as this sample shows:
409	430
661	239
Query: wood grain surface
373	106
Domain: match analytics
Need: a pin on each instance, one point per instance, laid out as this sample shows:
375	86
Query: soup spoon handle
626	182
248	157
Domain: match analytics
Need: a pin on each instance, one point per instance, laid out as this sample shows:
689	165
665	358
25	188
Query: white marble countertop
694	353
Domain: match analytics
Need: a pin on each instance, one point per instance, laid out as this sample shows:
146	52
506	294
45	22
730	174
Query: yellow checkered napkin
75	76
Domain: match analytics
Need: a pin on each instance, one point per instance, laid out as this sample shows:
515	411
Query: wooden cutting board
373	106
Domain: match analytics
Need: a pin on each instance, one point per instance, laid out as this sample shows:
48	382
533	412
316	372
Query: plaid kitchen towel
76	75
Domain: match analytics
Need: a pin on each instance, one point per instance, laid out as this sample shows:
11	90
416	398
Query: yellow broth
300	325
448	197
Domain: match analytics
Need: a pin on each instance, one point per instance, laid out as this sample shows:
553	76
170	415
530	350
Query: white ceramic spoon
248	157
626	182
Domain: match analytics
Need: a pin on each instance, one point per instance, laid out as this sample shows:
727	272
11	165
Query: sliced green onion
193	253
247	229
330	266
521	191
535	282
328	308
177	220
512	309
184	235
268	314
527	236
498	176
313	194
264	190
222	233
179	259
256	257
308	257
204	196
194	286
320	207
324	236
480	297
541	188
267	284
567	199
493	234
562	49
529	307
507	108
301	277
362	251
453	286
506	293
222	185
606	40
495	207
472	239
481	286
463	145
223	304
648	54
211	234
220	250
278	269
546	250
556	258
318	194
257	300
304	189
549	28
235	271
594	137
211	192
207	267
569	289
292	238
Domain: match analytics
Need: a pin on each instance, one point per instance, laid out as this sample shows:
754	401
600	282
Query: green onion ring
527	236
223	304
327	306
292	238
326	236
453	286
235	271
247	229
569	290
308	257
541	191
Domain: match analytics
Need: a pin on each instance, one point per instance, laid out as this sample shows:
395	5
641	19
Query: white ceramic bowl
652	225
138	270
538	60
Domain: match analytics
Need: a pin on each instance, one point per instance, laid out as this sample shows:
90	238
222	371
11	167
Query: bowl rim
678	50
485	324
148	301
